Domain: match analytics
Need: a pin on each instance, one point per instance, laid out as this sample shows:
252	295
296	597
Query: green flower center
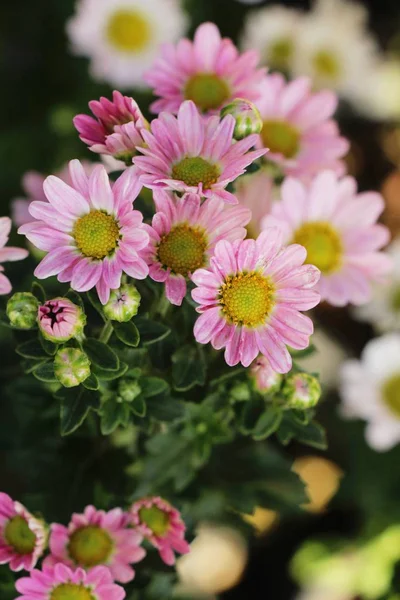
326	64
280	52
207	91
391	394
281	137
71	591
195	170
182	250
156	519
129	31
323	245
90	546
247	298
96	234
395	300
19	536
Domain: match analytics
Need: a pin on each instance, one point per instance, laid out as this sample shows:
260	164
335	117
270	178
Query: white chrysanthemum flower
122	37
370	389
380	92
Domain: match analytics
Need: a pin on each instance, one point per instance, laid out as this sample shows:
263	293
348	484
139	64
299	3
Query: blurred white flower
381	91
122	37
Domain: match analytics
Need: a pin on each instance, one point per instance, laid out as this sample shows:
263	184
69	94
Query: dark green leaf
75	298
105	375
49	347
32	349
127	333
75	406
38	291
268	423
45	372
101	355
113	414
151	331
165	408
153	386
188	368
138	406
91	382
309	351
95	302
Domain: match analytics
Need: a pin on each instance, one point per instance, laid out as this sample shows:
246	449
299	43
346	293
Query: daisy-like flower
183	235
7	254
90	230
161	524
370	390
116	128
122	37
339	230
250	298
97	538
298	127
210	71
256	192
190	154
62	583
22	536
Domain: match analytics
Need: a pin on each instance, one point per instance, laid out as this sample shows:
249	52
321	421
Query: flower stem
106	332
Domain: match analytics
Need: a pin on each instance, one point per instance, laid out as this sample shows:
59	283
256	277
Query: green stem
106	332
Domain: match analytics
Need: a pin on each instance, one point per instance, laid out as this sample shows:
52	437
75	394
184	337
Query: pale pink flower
298	127
7	254
90	230
191	154
22	536
339	230
60	320
97	538
265	378
250	298
256	192
61	582
210	71
161	524
183	235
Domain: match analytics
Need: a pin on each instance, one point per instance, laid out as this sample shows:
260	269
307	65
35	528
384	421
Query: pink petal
101	195
64	198
57	260
175	289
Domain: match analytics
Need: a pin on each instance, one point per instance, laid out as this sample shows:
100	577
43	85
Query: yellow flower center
326	65
281	137
391	394
71	591
18	535
207	91
323	245
156	519
96	234
395	300
247	298
195	170
182	249
90	546
129	31
280	52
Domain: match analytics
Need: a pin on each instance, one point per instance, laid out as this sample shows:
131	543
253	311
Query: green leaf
101	355
45	372
188	368
75	298
91	382
127	333
49	347
113	414
267	424
95	302
32	349
75	407
313	435
138	406
153	386
151	331
299	354
105	375
38	291
165	408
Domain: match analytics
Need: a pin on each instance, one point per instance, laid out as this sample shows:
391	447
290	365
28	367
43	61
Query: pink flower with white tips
183	235
339	230
97	538
195	155
161	524
62	583
7	254
210	71
22	536
250	298
90	230
298	127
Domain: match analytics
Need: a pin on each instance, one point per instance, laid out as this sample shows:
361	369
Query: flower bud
61	320
71	366
247	117
265	379
123	304
129	389
301	391
22	309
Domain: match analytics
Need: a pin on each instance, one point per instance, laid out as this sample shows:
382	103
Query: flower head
60	320
22	309
210	71
7	254
338	228
183	235
190	154
62	583
22	536
97	538
123	303
256	191
266	380
90	231
161	524
71	366
301	391
250	299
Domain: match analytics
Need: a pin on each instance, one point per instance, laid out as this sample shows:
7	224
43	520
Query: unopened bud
61	320
123	304
301	391
71	366
22	309
265	379
247	117
129	390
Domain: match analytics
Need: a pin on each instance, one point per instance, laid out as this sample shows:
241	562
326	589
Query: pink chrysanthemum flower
250	299
298	129
116	130
191	154
161	524
90	230
210	71
256	191
339	230
63	583
22	536
183	236
7	254
97	538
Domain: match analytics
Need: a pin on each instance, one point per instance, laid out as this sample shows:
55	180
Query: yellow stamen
281	137
90	546
96	234
247	298
129	31
182	249
323	245
208	91
326	65
19	536
195	170
156	519
71	591
391	394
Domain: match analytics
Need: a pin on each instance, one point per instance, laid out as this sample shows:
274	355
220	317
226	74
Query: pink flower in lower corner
190	154
7	254
61	583
161	524
250	298
90	230
22	536
183	235
339	230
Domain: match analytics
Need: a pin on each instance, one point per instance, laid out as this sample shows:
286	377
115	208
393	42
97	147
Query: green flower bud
128	390
247	117
61	320
123	304
71	366
301	391
22	310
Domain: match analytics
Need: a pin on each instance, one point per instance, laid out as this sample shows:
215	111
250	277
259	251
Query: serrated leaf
45	372
188	368
105	375
91	382
32	349
101	355
267	424
127	333
153	386
151	331
75	406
